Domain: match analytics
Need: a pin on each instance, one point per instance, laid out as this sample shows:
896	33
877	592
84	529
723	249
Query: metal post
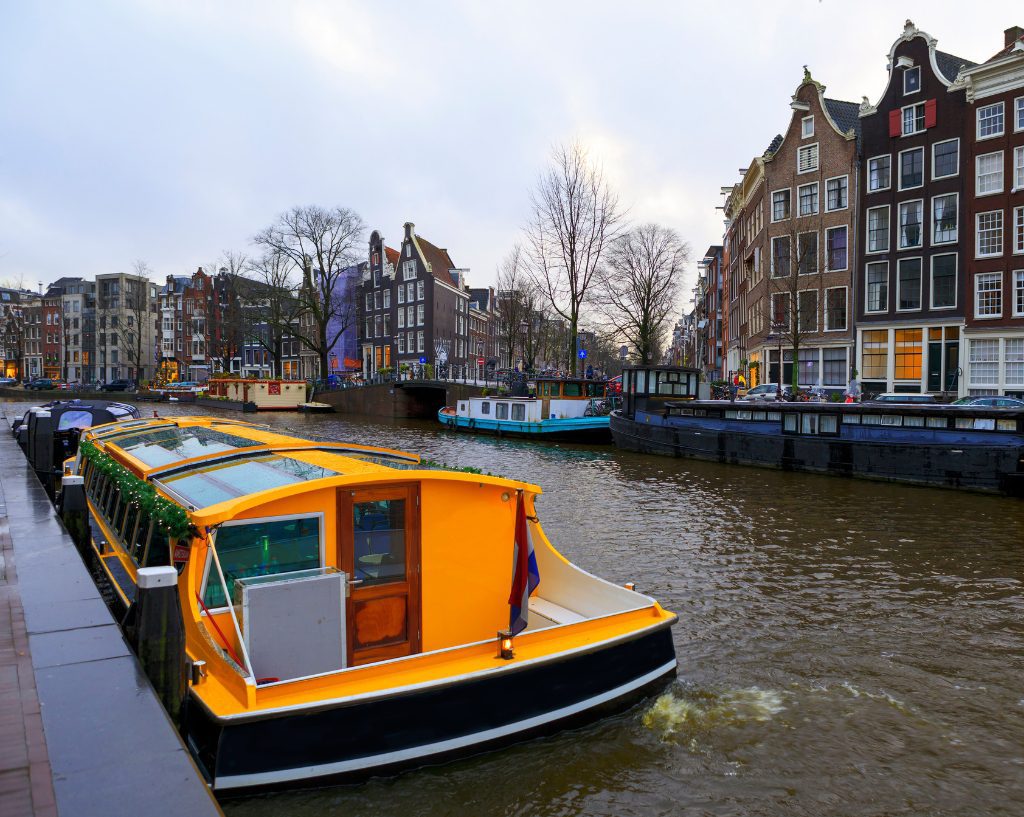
74	510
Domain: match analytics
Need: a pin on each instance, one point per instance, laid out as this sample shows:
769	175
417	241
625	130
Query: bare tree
321	243
270	307
139	312
227	320
575	216
640	285
513	310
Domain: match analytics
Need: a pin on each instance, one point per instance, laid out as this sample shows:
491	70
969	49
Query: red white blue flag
525	575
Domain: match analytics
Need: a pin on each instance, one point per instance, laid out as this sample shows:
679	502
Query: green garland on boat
168	515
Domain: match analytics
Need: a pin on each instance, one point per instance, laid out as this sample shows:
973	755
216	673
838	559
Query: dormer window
408	270
806	127
912	80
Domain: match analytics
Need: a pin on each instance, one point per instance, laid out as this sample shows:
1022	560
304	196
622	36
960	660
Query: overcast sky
171	131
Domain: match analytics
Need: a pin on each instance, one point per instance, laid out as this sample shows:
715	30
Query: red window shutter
929	113
895	123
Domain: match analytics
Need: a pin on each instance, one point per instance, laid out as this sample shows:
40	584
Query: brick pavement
26	782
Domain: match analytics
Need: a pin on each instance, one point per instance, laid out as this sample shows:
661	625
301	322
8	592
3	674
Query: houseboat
968	447
348	611
559	409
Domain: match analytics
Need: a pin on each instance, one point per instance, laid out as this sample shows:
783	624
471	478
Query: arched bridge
400	399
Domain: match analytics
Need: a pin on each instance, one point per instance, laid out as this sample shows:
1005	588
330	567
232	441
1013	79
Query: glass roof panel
164	445
207	486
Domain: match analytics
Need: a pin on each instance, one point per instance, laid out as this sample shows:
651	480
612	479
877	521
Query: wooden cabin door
379	542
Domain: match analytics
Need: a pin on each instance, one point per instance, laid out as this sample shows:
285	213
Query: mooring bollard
154	629
74	510
40	452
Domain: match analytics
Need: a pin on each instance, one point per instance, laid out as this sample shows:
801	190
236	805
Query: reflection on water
845	647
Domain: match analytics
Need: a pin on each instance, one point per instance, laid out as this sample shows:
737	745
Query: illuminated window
908	354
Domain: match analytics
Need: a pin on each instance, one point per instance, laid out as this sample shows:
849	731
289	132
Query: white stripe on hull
440	747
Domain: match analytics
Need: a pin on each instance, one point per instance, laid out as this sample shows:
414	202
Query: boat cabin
553	399
647	388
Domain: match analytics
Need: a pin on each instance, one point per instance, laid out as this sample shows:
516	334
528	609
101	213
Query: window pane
944	219
261	549
908	354
836	248
912	168
910	283
379	535
879	173
947	158
518	411
878	287
875	352
943	281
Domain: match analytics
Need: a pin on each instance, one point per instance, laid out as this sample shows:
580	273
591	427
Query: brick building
993	224
801	286
910	261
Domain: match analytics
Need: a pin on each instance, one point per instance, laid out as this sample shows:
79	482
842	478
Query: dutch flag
525	575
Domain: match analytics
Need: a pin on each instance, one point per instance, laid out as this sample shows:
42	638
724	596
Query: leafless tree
574	217
513	313
139	311
321	243
640	285
270	308
227	319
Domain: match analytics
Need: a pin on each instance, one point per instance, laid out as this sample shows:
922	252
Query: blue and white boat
558	409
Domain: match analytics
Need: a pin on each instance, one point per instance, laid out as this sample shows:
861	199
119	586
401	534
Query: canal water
845	647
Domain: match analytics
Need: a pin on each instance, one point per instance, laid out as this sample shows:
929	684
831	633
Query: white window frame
817	200
1018	231
817	304
873	159
977	234
817	252
1018	169
920	284
913	69
933	241
805	132
977	174
998	274
847	311
788	190
813	147
401	293
401	343
408	270
977	121
771	260
899	244
401	319
1017	284
956	172
903	120
867	230
419	341
867	284
832	229
845	206
899	169
931	279
419	290
771	306
1018	114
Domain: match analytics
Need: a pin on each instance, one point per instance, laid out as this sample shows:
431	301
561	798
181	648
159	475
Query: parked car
116	385
767	391
8	381
905	399
992	402
40	383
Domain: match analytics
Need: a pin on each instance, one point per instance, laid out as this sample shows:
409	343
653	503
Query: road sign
479	361
422	359
583	353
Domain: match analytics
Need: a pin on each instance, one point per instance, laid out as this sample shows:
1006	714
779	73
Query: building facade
78	306
126	331
910	270
993	225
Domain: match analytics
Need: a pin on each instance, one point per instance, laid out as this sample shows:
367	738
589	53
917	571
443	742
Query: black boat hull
353	739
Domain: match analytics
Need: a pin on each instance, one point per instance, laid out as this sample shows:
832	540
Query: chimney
1012	34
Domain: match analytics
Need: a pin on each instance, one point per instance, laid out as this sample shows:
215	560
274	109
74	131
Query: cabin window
851	419
965	422
122	515
730	415
936	422
892	420
74	419
704	413
518	411
158	552
595	389
130	518
760	415
501	411
137	543
485	407
379	540
743	415
828	424
914	422
984	424
809	424
1006	425
572	390
90	476
790	423
871	419
774	416
113	497
260	547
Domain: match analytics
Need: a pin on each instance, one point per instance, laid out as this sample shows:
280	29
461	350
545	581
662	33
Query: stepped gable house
910	271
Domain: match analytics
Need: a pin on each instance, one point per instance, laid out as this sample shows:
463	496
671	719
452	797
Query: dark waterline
845	647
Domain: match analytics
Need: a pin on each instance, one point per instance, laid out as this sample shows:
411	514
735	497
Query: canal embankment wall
400	400
106	741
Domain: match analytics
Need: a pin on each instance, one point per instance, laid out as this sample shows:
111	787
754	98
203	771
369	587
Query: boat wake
676	718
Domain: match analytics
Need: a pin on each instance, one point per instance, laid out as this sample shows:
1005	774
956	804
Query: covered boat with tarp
349	611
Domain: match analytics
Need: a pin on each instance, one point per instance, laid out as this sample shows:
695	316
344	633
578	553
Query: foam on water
674	717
